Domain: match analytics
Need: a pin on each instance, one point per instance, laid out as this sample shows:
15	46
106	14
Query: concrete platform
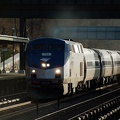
7	76
12	83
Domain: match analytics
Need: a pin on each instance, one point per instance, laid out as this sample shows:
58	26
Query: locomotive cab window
80	48
76	48
56	47
72	48
38	47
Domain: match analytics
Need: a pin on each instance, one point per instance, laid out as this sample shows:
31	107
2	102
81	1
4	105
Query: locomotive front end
45	61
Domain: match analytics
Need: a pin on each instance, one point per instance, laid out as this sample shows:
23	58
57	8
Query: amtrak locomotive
57	63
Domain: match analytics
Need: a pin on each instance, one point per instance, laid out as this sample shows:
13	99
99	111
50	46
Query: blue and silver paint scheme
60	67
46	58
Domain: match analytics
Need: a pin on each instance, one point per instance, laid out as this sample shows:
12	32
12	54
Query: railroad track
85	106
50	107
13	99
24	108
103	111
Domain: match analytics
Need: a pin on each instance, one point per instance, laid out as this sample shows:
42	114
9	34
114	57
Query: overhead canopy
13	39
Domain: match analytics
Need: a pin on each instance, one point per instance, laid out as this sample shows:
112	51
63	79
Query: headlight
48	65
43	65
33	71
57	74
57	71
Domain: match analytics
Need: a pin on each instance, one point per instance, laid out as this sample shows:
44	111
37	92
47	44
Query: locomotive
58	66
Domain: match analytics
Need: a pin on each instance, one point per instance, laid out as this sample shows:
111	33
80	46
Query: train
61	67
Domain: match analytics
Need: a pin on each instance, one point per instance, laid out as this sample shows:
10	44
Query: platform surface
7	76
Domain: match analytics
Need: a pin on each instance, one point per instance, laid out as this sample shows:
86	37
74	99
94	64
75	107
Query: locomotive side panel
74	68
77	68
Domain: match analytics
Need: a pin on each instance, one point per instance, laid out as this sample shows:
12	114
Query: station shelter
12	57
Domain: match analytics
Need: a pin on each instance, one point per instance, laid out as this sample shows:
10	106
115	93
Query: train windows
117	62
89	64
56	47
103	62
97	64
92	65
76	49
106	63
80	48
72	48
38	47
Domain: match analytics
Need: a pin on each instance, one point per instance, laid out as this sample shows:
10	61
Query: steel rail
27	109
65	111
95	108
33	107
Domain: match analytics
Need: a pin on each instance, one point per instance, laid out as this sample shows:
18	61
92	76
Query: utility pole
22	45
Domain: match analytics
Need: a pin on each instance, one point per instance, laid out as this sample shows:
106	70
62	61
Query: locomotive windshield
38	47
49	47
56	47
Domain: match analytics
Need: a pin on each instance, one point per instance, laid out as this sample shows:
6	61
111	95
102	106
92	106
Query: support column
3	59
0	61
22	45
13	70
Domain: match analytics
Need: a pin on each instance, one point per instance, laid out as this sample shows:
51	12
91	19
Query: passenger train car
58	66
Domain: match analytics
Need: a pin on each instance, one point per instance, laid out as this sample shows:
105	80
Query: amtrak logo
45	59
